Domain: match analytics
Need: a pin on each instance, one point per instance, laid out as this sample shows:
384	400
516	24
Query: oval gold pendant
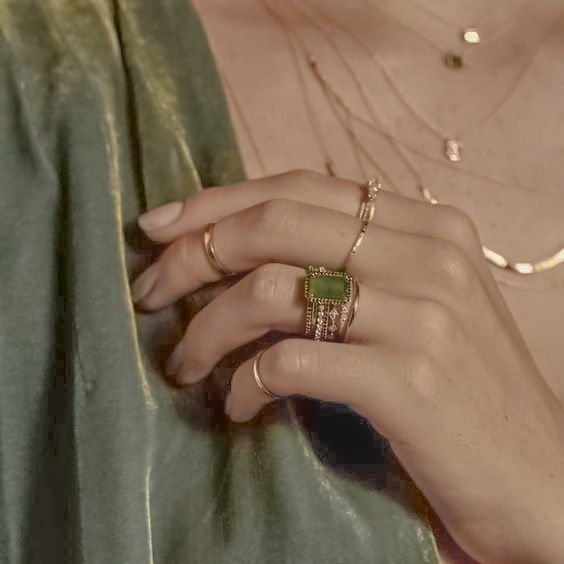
453	150
471	35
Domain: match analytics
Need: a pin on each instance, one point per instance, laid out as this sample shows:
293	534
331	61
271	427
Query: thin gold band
354	308
366	213
211	252
358	241
258	378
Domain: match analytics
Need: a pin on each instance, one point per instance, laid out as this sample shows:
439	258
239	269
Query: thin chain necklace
437	16
329	162
452	141
493	257
471	35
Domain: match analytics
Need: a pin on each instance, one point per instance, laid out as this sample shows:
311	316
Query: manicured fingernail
174	363
143	285
161	216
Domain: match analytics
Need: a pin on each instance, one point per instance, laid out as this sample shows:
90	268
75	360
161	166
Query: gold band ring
348	322
366	213
258	379
211	252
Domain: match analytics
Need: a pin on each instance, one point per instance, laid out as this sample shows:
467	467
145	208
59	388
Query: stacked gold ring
329	296
366	213
332	296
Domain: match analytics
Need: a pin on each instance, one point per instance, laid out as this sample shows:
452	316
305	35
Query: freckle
506	418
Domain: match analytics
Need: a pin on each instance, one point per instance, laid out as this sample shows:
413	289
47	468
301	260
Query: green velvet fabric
109	108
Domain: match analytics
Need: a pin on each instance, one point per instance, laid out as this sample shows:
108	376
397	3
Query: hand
433	360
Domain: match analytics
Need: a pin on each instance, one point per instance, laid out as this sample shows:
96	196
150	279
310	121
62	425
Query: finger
393	211
349	374
289	232
271	298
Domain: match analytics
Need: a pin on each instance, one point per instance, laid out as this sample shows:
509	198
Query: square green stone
453	61
325	287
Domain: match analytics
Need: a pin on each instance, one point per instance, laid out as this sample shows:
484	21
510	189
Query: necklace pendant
471	35
453	61
453	150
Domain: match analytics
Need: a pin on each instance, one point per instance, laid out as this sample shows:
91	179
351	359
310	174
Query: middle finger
271	298
298	234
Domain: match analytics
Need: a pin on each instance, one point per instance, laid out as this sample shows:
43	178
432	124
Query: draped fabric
109	108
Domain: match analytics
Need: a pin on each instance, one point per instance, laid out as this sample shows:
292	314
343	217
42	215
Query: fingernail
143	285
161	216
175	360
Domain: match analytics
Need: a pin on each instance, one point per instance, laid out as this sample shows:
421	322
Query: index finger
393	211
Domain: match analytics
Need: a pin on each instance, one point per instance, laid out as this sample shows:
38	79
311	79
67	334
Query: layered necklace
349	119
486	27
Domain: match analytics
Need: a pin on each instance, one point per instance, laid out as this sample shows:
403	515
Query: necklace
493	257
452	141
470	36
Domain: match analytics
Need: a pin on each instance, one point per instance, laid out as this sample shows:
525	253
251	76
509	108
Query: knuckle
454	267
301	176
458	226
278	216
435	319
422	374
179	256
267	283
290	357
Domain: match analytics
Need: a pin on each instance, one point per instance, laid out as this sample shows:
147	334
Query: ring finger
271	298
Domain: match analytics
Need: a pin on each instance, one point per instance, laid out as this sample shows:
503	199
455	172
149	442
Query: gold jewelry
347	123
373	186
349	313
211	252
326	292
469	35
492	256
366	213
258	379
358	241
452	142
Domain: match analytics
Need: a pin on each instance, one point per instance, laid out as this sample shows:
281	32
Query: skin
435	349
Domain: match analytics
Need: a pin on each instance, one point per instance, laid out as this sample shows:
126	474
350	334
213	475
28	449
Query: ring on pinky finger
342	373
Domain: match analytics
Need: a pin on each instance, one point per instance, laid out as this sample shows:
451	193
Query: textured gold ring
211	252
328	295
258	379
366	213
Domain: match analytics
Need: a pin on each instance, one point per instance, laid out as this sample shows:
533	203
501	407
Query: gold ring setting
258	379
211	252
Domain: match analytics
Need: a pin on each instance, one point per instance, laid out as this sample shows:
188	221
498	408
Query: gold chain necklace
493	257
471	35
452	141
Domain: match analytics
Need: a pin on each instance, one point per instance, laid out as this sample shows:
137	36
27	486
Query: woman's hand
433	360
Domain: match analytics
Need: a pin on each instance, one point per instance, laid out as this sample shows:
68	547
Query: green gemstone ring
328	295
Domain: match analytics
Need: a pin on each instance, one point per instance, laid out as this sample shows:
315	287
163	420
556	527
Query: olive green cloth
109	108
